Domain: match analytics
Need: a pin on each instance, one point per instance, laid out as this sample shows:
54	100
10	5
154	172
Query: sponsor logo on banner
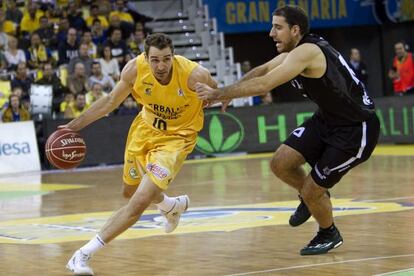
18	148
217	139
196	220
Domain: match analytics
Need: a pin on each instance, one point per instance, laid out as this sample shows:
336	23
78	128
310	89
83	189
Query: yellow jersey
172	107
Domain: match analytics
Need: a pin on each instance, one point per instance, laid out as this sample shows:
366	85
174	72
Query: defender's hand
206	93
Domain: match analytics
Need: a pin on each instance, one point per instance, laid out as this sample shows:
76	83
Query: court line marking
386	199
320	264
397	271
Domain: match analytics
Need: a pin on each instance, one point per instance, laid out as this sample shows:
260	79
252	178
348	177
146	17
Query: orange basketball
65	149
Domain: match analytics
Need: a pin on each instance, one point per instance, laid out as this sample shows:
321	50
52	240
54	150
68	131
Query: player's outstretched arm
108	103
264	68
295	62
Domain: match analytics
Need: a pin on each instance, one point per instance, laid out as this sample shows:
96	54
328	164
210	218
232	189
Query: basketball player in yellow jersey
159	140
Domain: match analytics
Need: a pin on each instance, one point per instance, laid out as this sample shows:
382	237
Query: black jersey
340	96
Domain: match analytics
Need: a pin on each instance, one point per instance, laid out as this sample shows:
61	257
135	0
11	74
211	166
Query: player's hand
206	93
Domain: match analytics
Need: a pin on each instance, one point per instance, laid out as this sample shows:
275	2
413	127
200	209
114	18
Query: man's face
96	89
35	40
355	56
399	50
72	35
96	69
14	102
83	50
116	36
160	62
48	70
21	70
282	34
139	36
79	70
80	101
87	37
94	11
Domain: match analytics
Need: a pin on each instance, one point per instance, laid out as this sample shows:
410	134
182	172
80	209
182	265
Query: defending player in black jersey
340	135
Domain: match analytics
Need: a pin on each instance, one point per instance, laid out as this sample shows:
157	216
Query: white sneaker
172	218
79	264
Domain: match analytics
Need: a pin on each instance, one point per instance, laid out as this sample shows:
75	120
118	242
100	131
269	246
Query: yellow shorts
158	154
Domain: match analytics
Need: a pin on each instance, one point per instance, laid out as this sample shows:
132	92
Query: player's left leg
320	206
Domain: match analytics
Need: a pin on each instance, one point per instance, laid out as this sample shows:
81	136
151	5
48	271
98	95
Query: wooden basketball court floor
237	223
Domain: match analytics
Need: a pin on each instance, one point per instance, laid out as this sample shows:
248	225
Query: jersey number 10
160	124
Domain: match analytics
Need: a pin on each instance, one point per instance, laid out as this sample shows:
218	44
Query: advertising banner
246	129
238	16
18	148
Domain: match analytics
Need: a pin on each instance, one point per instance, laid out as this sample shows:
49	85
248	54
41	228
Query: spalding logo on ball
65	149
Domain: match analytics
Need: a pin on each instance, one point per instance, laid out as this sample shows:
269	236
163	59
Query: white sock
93	245
167	204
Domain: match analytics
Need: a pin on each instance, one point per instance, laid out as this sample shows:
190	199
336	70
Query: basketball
65	149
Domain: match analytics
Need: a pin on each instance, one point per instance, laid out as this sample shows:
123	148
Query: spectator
15	112
106	82
122	12
245	68
76	108
98	33
82	58
37	54
68	99
87	39
31	21
74	15
4	39
77	82
402	72
95	94
69	48
45	31
109	65
128	107
118	47
136	43
267	99
13	13
23	80
13	54
358	66
125	27
62	33
7	26
50	78
94	15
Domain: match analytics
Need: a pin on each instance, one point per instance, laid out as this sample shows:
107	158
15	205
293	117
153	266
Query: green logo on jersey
222	133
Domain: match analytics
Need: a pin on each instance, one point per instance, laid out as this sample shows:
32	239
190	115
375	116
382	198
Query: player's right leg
120	221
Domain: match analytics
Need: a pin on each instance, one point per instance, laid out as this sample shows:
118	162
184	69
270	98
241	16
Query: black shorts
333	150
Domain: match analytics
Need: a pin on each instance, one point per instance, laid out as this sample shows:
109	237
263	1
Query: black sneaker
301	214
323	242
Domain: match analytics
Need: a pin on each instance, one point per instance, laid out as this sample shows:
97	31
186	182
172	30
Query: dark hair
159	41
294	16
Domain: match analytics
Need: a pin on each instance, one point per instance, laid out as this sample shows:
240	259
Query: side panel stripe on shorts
360	151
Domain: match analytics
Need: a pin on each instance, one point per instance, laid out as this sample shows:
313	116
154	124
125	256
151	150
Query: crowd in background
77	47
